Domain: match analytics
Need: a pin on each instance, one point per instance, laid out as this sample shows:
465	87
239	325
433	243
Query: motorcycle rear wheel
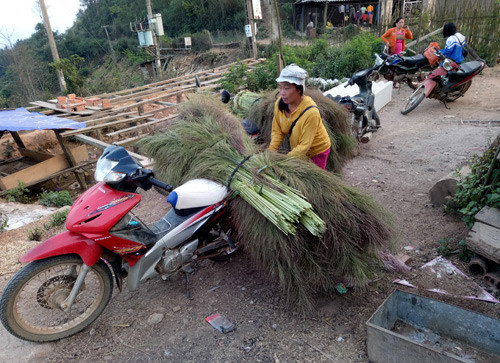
413	101
459	92
29	306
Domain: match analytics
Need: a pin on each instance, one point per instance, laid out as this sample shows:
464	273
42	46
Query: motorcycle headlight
103	171
378	61
447	65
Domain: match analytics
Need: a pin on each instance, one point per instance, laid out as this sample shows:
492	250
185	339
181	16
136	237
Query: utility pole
155	40
252	27
109	42
52	44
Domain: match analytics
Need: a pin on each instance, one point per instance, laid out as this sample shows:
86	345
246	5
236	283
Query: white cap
293	74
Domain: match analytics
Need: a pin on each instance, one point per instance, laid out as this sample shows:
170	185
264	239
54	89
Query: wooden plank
152	112
53	107
42	170
142	126
70	158
55	175
424	37
109	118
141	95
142	160
249	61
101	126
17	139
152	100
35	155
490	216
129	141
485	241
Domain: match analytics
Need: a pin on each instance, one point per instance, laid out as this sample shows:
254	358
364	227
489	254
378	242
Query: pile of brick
72	103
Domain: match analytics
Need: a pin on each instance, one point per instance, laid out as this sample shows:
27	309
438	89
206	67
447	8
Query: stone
446	187
155	318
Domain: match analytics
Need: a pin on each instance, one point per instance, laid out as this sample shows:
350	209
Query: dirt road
398	167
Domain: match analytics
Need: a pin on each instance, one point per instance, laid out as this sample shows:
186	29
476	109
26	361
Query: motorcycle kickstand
187	270
186	281
446	105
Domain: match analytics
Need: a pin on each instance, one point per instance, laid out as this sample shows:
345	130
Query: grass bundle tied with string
315	231
335	118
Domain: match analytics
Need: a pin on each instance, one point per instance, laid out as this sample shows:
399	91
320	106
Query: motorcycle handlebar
161	184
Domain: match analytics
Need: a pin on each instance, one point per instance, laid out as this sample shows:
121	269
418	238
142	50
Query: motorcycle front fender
63	244
429	85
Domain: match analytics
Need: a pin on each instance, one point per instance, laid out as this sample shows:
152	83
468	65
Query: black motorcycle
398	68
364	119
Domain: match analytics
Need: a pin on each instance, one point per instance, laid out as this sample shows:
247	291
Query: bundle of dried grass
335	118
205	139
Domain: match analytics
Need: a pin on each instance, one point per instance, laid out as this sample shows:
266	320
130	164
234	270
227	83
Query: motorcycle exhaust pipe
366	137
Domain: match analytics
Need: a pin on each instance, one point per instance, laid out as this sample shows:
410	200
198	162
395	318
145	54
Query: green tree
74	79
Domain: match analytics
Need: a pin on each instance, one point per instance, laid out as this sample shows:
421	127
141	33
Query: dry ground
398	167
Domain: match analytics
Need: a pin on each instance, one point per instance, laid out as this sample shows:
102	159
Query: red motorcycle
447	83
69	279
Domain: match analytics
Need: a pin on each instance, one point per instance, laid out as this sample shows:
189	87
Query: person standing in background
369	11
395	37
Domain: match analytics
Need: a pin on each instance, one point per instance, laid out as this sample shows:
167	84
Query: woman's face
400	24
288	92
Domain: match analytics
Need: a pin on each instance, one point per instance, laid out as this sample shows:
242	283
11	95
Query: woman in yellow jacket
395	37
298	115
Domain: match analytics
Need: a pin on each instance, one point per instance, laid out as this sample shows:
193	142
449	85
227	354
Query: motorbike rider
296	112
455	43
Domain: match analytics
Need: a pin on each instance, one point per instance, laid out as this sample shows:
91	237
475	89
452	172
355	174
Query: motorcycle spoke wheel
30	303
413	101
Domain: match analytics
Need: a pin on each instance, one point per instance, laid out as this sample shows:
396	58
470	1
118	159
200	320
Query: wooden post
252	28
52	44
325	16
419	30
17	139
71	160
279	64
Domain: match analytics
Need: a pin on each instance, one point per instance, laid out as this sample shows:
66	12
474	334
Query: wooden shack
35	166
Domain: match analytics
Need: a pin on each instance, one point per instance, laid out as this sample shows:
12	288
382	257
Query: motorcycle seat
465	70
415	61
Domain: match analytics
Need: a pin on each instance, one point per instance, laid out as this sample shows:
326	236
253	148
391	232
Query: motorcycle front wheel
413	101
30	303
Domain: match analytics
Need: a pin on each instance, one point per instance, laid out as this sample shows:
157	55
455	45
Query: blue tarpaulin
21	119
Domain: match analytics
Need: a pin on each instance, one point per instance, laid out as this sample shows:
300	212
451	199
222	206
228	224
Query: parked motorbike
69	278
364	118
398	68
447	83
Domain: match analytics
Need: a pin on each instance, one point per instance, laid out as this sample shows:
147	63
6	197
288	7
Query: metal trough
410	328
